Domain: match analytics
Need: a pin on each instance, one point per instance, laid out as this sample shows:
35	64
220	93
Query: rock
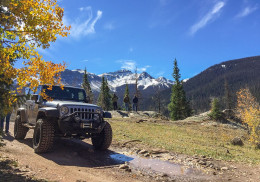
214	173
188	159
209	164
157	151
128	170
228	151
141	120
224	168
137	151
202	162
146	155
237	141
229	113
164	175
217	168
143	151
123	166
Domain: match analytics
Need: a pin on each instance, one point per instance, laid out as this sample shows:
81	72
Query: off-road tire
43	136
20	131
103	140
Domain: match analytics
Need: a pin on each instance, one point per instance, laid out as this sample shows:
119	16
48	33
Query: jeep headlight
64	110
96	116
99	111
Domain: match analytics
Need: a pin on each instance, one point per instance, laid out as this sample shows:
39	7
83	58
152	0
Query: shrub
249	112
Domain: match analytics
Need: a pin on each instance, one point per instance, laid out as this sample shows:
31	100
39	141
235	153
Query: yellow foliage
249	111
26	25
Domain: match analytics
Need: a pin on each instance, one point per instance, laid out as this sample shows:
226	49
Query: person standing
126	101
114	100
7	120
135	103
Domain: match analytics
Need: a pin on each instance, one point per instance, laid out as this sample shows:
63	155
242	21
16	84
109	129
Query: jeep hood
67	103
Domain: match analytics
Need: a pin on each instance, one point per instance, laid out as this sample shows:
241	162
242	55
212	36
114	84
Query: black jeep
67	115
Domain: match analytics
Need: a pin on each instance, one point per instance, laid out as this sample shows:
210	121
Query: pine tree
179	107
126	90
104	99
108	97
127	94
137	91
87	88
215	113
157	98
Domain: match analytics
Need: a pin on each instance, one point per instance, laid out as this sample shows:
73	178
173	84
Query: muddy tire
20	131
43	136
103	140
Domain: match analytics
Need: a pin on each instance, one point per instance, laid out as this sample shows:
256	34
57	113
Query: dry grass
210	140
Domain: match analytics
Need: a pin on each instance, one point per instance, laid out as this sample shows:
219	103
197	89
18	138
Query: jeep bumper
74	124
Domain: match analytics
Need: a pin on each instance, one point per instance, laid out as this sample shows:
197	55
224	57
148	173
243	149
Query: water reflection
153	165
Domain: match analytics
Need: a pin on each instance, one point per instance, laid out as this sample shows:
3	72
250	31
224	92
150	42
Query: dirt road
71	160
75	160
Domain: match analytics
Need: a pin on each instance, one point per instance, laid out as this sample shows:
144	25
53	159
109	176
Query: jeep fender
107	114
48	112
22	113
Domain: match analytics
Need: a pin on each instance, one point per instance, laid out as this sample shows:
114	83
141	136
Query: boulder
237	141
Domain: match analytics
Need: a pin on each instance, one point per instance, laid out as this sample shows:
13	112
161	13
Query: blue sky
110	35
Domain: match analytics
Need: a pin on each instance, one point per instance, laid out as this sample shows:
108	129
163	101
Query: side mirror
35	98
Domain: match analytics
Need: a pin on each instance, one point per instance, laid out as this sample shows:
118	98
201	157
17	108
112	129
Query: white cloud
85	60
131	65
143	68
209	16
85	24
109	26
246	11
128	64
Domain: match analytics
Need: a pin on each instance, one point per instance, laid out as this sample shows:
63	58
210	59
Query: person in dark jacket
126	101
114	100
135	103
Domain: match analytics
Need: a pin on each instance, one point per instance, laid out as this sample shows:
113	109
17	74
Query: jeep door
32	108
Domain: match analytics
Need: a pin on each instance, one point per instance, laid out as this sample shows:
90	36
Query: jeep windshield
68	93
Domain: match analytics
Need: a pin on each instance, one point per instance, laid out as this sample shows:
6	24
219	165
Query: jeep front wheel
103	140
43	136
20	131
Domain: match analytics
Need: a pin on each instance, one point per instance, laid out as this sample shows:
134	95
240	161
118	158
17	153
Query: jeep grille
83	116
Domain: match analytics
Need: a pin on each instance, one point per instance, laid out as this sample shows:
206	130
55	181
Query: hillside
238	73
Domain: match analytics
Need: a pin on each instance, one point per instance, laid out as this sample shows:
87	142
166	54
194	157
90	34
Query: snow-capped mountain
115	79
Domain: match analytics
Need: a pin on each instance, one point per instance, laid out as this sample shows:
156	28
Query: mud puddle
79	153
149	165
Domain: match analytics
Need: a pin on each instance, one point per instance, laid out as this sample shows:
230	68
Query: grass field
191	138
